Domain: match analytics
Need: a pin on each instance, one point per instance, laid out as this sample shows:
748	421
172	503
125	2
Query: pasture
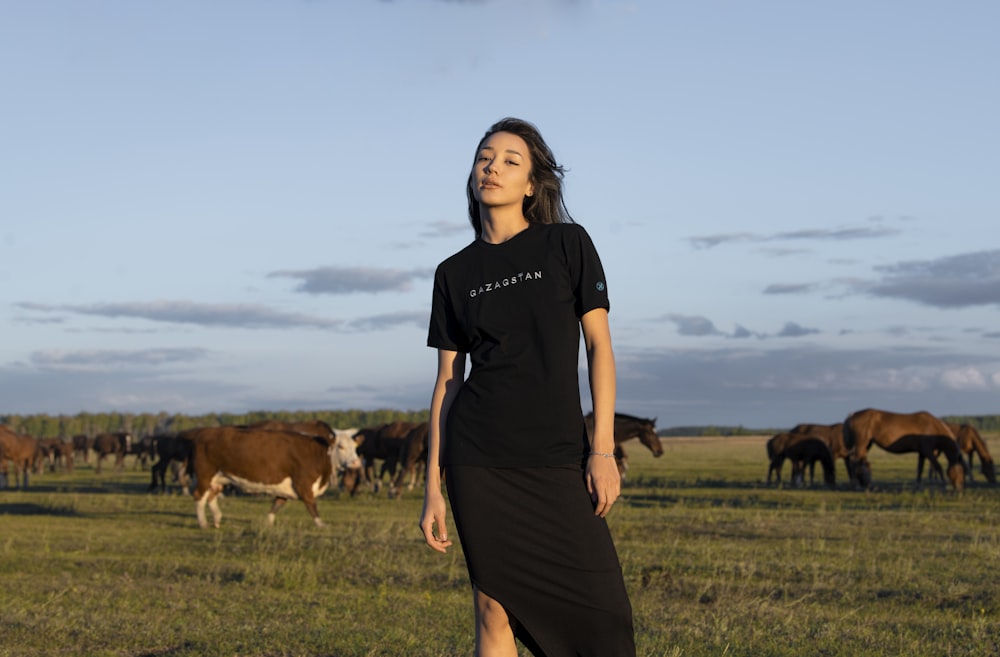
716	563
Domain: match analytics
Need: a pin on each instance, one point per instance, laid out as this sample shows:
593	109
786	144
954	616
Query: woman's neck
498	227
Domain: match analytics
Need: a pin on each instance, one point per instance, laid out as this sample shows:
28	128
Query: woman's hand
433	515
604	482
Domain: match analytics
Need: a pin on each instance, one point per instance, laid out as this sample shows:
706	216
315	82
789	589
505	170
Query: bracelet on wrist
607	456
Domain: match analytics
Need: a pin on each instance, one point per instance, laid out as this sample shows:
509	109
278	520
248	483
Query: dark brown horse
830	434
775	447
805	453
900	433
628	427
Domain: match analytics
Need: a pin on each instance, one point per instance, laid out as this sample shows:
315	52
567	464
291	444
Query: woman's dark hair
546	205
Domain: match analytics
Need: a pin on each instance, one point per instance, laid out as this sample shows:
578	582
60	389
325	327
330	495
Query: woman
528	490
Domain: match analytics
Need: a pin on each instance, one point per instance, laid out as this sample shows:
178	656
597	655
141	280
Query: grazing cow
20	451
144	451
82	444
56	452
112	444
383	443
285	464
175	452
350	477
413	458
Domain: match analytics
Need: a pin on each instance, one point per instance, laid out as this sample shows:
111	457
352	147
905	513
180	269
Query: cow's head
344	454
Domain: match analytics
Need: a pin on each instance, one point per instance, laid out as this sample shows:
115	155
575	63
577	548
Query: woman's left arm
603	478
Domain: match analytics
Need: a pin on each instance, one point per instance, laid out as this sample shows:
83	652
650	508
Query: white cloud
965	378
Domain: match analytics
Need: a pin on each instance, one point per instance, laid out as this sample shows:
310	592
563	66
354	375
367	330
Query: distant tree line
148	424
984	423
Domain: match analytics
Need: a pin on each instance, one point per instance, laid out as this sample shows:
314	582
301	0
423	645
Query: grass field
716	563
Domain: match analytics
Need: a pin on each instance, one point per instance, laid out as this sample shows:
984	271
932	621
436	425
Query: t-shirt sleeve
445	330
586	272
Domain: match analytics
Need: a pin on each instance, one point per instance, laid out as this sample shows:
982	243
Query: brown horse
775	447
831	434
899	433
628	427
970	442
804	454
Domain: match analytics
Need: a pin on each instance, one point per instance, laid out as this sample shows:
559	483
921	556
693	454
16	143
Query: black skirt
533	544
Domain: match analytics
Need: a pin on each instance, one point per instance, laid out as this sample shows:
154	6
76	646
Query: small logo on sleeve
600	286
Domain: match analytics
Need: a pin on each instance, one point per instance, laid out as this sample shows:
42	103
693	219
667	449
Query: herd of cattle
897	433
288	460
301	460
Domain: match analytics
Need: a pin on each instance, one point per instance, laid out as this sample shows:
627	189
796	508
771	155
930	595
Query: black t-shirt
515	308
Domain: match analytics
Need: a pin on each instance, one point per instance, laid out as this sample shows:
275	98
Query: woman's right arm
450	376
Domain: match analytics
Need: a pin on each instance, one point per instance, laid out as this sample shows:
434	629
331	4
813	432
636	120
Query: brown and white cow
286	464
19	450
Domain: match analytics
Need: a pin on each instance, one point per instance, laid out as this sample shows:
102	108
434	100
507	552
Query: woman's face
502	170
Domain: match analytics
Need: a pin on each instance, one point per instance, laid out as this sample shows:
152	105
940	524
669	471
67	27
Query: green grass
716	563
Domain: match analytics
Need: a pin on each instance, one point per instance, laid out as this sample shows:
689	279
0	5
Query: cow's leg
199	509
275	507
158	475
208	498
310	501
213	504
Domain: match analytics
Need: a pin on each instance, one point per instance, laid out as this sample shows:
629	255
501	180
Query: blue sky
237	205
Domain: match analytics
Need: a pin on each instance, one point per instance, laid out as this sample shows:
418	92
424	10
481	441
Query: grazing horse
19	450
626	428
789	445
775	447
900	433
970	442
804	454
